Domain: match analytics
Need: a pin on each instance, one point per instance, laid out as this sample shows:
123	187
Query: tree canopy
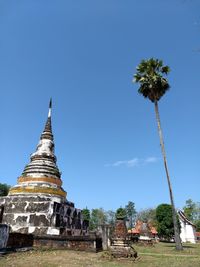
86	214
4	189
147	215
130	213
150	74
165	225
120	213
192	212
97	217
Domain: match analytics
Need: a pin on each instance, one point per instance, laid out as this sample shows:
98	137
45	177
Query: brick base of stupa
41	215
121	249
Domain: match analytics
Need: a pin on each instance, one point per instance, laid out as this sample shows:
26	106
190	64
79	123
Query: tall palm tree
153	85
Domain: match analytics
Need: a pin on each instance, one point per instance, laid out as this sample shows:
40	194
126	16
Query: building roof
154	231
133	231
139	228
184	218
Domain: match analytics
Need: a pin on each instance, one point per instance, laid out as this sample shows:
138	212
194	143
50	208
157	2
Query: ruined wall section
42	215
28	214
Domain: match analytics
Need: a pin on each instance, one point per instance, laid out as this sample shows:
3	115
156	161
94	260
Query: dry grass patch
162	254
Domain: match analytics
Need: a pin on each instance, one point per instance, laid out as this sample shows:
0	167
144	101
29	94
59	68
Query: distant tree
197	212
86	214
192	212
189	209
97	217
120	213
86	218
111	219
147	215
151	75
110	214
4	189
130	213
165	226
197	224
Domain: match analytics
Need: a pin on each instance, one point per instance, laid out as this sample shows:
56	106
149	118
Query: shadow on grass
184	246
188	246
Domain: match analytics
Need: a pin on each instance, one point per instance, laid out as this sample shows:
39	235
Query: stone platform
90	243
120	248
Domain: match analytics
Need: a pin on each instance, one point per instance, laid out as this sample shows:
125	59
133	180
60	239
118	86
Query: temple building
188	229
143	230
37	204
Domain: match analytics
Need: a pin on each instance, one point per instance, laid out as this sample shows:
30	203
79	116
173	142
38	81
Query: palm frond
149	75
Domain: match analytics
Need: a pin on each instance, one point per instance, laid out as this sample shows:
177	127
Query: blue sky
83	54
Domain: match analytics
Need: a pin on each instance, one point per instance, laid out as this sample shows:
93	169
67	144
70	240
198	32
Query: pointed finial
47	133
50	106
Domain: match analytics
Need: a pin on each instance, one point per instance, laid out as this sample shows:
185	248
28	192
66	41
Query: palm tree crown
150	76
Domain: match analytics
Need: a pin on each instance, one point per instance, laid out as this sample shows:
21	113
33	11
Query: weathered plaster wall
187	233
40	215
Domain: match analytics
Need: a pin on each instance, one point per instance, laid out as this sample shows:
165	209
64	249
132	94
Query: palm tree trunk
174	214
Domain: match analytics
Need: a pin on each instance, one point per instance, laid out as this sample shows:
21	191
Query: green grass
160	255
169	248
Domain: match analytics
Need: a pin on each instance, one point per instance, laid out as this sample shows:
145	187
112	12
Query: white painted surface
188	231
31	229
53	231
49	113
144	238
45	146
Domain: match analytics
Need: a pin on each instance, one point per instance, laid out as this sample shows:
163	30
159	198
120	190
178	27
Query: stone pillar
4	234
104	231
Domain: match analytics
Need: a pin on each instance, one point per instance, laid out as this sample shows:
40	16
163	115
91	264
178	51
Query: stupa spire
47	133
50	107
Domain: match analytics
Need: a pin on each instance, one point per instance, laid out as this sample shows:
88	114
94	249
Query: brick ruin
37	205
120	243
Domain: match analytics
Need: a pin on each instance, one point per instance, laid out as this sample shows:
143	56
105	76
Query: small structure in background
198	237
120	243
188	229
143	232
